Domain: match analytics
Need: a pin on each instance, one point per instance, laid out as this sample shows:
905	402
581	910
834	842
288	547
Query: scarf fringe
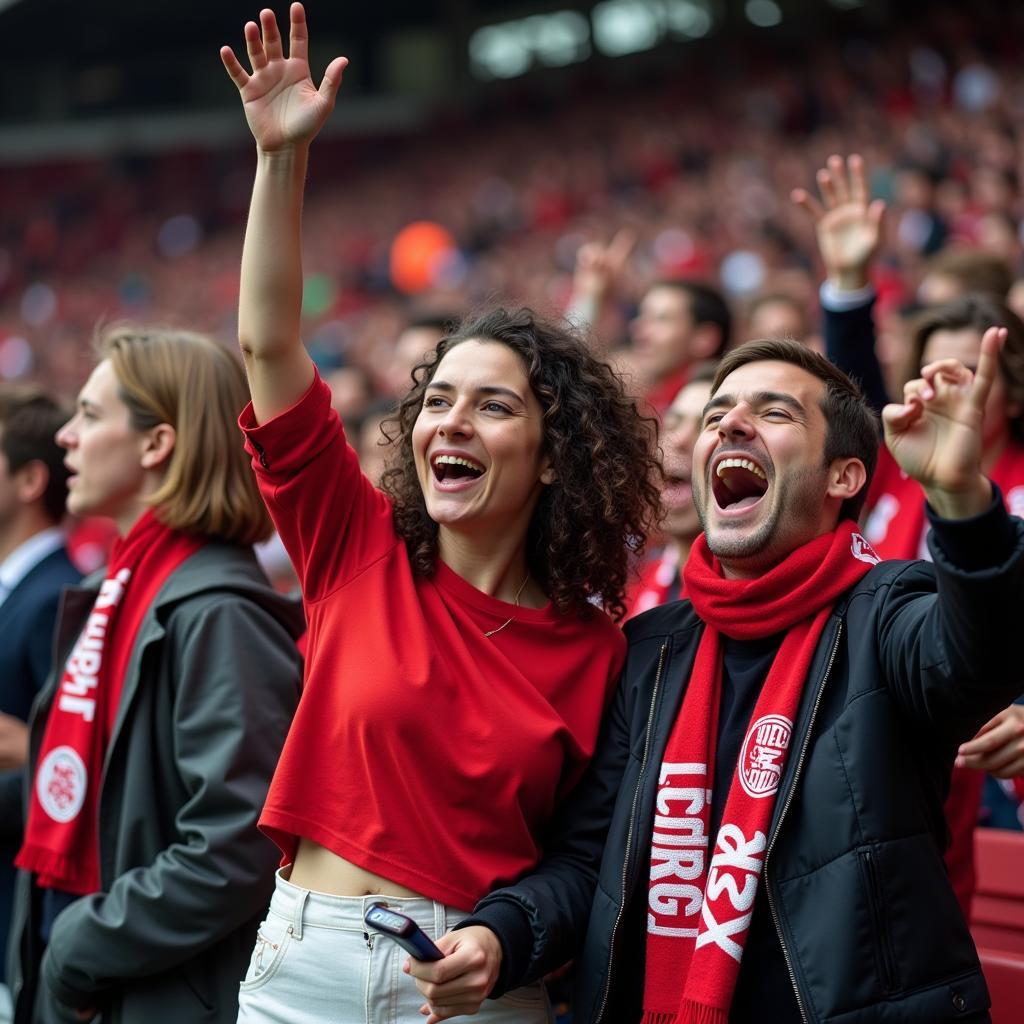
56	870
655	1017
692	1012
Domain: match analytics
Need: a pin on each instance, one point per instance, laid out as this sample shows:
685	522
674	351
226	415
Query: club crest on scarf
763	754
862	550
61	783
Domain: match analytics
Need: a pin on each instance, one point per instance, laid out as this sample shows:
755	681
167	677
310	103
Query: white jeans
315	963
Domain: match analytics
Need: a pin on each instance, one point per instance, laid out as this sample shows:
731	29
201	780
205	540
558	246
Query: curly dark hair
604	499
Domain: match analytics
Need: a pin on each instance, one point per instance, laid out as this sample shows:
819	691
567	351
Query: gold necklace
498	629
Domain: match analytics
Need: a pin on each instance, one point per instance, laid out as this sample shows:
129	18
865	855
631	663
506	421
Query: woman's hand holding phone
460	982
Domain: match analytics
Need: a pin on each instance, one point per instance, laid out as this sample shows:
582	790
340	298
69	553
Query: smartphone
404	930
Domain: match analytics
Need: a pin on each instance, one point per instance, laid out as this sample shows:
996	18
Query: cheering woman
457	662
144	875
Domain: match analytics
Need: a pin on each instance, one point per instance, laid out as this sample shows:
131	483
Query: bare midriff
317	868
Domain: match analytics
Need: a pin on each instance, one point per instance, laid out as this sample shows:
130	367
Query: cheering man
760	834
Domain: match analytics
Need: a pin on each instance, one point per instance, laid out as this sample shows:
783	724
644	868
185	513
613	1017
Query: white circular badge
61	782
761	757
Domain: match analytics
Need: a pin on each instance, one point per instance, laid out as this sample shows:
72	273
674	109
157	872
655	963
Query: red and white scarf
62	833
895	524
699	913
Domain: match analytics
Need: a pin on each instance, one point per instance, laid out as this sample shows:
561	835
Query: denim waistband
305	907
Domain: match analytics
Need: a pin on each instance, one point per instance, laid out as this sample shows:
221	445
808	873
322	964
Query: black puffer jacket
912	661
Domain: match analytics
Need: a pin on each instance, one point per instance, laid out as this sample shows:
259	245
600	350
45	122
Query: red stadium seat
997	918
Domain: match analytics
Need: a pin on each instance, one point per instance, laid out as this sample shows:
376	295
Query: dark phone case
411	938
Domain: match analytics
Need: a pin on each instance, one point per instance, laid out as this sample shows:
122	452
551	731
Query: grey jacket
212	685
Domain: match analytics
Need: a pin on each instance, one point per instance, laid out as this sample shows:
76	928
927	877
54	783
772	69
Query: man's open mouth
452	468
738	482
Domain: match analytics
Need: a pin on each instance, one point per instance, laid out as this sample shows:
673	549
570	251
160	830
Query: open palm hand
847	222
282	105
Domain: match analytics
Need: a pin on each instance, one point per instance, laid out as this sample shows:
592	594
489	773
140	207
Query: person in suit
34	569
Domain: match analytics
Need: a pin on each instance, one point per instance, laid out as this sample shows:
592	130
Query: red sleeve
332	520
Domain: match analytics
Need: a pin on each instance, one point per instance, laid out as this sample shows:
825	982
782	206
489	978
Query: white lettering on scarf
733	853
83	668
678	850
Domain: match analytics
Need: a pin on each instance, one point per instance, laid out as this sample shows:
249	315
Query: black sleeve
948	633
981	542
850	344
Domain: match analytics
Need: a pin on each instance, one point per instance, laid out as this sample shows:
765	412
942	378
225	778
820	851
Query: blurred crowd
697	166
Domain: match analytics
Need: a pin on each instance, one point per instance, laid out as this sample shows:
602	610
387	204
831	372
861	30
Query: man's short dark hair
707	306
852	427
29	421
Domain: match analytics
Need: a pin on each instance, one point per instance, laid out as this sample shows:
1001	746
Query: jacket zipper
629	834
877	910
785	809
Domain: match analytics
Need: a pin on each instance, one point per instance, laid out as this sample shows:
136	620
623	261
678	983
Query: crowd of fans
669	221
698	166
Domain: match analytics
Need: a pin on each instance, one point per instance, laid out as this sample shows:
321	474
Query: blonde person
143	875
458	663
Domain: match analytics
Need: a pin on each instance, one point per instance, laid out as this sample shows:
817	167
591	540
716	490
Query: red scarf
895	525
699	913
61	837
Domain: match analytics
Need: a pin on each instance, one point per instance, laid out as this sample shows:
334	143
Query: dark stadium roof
101	28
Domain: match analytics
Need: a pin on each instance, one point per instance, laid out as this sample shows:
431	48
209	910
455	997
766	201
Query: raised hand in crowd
600	265
847	221
283	106
285	110
935	433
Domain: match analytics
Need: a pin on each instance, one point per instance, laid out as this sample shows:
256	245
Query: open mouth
455	468
738	482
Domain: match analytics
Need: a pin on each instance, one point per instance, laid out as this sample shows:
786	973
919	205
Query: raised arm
848	228
285	110
599	269
948	656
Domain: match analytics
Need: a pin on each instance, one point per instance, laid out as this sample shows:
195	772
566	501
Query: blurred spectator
142	873
779	314
370	440
418	337
958	270
661	578
351	390
679	323
34	570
